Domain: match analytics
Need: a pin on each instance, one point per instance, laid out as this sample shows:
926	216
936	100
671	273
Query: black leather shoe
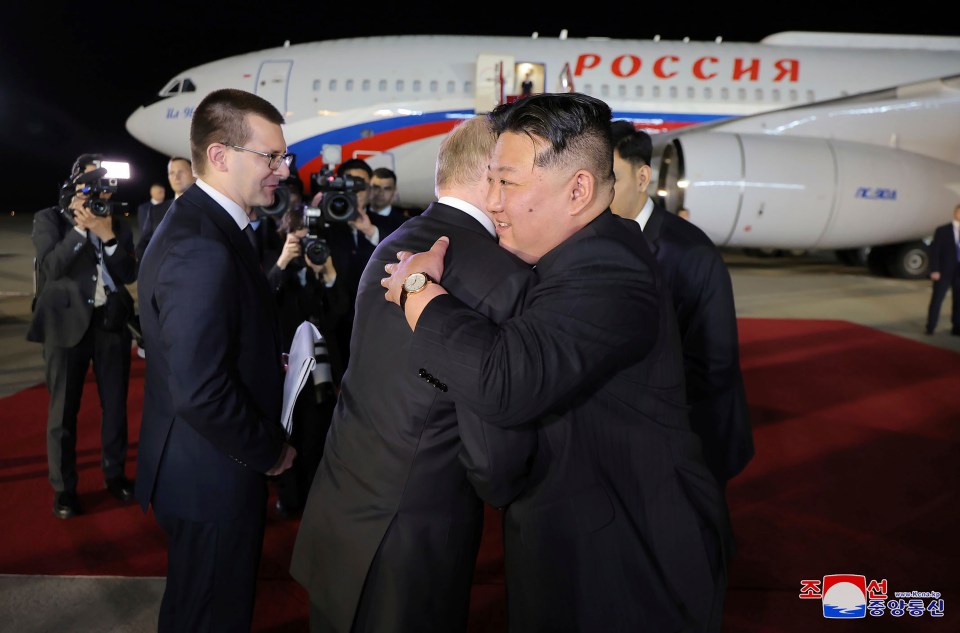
120	487
65	504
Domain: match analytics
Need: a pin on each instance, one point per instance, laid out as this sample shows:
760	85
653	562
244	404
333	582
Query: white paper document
300	364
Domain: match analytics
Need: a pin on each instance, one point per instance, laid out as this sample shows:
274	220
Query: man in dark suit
180	175
351	244
211	429
82	305
158	196
383	193
391	529
621	527
699	283
945	273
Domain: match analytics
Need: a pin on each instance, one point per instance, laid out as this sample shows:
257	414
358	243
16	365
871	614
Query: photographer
351	242
84	257
307	289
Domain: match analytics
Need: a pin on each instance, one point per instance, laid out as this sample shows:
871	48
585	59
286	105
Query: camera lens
99	208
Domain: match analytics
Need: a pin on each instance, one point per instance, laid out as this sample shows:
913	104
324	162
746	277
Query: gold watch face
415	282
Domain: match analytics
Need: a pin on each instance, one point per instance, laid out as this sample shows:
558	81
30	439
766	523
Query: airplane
804	141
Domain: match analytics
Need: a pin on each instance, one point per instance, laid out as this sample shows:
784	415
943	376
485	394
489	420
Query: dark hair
620	129
384	172
82	161
575	128
186	160
221	117
355	163
633	145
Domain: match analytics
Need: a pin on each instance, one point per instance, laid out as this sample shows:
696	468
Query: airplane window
366	85
171	88
451	86
317	83
673	92
741	94
416	85
621	90
468	86
656	92
707	93
588	89
639	91
333	85
776	94
810	96
724	93
691	93
793	94
383	85
433	85
399	85
349	85
188	86
758	94
605	90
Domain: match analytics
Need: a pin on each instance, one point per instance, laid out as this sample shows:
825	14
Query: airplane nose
137	125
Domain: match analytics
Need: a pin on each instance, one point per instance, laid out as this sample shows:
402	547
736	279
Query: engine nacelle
766	191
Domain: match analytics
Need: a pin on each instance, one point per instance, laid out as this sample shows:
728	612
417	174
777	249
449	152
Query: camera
282	195
313	245
339	202
104	179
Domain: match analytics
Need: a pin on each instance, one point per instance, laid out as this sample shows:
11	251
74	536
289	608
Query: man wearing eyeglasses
211	431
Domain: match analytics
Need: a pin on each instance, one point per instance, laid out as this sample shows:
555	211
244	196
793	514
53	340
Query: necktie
252	237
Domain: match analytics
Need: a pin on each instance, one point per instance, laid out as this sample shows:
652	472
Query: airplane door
494	77
272	83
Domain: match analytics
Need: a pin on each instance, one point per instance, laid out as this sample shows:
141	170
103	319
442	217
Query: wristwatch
414	283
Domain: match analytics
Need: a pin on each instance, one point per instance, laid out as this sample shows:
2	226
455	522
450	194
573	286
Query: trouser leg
211	574
66	370
111	365
936	300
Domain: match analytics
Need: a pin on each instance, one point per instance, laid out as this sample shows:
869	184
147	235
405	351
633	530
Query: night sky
71	75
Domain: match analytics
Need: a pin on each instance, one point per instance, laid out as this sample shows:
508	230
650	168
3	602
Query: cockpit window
178	86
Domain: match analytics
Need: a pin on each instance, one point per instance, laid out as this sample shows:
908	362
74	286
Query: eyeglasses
274	159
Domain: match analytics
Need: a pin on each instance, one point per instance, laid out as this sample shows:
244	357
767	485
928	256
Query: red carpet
857	435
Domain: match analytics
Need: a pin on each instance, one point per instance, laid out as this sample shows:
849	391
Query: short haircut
221	117
620	129
573	130
355	163
384	172
465	153
176	158
634	146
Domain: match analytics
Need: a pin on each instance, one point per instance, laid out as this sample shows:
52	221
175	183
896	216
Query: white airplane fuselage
808	141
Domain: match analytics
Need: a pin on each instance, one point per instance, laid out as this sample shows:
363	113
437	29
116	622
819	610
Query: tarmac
812	286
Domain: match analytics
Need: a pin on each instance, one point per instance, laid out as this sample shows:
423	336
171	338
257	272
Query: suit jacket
693	270
212	400
621	523
943	252
67	276
391	511
388	223
149	216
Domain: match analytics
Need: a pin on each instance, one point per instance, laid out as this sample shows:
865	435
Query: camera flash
116	169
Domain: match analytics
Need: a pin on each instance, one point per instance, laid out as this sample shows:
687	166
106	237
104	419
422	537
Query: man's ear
583	191
217	156
644	176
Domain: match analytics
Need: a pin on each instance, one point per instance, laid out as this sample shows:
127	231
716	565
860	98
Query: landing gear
906	260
